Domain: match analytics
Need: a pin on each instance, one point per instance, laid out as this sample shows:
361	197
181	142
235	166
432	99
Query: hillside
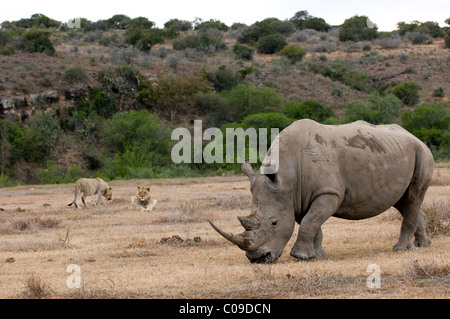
110	76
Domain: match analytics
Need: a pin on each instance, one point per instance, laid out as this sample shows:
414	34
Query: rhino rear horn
249	223
246	168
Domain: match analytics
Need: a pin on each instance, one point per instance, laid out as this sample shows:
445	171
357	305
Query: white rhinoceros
352	171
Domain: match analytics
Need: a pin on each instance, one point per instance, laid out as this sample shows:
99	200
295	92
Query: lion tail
70	204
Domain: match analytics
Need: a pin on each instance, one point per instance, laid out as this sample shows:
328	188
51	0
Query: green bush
271	44
223	79
212	24
377	109
57	174
356	29
37	40
407	92
310	109
317	24
244	100
447	39
178	25
243	52
203	42
263	28
7	50
293	52
100	102
75	75
138	140
439	92
267	120
143	35
430	122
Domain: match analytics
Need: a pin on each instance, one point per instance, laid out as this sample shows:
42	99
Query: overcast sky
385	13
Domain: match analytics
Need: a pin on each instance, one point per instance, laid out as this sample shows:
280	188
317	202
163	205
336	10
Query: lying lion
91	186
142	201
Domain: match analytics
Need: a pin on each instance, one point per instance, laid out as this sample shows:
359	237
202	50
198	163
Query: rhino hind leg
309	240
421	238
414	220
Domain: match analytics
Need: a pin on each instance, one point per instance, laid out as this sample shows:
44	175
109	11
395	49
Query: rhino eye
274	223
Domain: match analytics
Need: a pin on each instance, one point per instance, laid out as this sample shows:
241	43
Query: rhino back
369	167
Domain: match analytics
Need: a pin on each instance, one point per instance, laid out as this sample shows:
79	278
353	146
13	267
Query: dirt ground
173	252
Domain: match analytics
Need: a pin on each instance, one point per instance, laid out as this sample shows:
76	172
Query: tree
119	21
317	24
430	122
143	35
377	110
172	93
299	18
271	44
37	40
310	109
244	100
407	92
356	29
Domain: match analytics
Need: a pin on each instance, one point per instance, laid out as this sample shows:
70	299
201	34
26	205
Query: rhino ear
246	168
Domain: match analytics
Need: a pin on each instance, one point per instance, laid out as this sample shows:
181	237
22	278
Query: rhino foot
303	255
320	253
402	247
423	242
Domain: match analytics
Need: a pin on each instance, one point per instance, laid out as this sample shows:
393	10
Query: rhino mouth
264	258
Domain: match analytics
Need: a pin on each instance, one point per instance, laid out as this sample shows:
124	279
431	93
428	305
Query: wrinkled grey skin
352	171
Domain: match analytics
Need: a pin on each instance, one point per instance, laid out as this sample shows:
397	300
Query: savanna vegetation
130	83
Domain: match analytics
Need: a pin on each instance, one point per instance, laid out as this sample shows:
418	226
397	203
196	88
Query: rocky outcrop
21	107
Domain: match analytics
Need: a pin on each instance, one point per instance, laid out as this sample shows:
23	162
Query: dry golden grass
172	252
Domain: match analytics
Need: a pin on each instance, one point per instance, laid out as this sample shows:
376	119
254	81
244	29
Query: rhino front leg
309	240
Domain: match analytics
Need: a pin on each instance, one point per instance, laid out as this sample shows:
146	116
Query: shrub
244	100
267	120
119	21
138	139
430	122
356	29
203	42
75	75
103	103
178	25
377	110
212	24
243	52
293	52
439	92
7	50
212	104
418	37
310	109
447	39
407	92
259	29
317	24
143	35
37	40
223	78
271	44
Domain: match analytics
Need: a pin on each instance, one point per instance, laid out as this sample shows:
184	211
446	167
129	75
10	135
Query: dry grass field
173	252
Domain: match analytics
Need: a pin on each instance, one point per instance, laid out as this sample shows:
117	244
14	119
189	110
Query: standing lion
143	201
91	186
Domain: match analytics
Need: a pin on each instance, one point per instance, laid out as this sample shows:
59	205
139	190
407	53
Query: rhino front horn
235	239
